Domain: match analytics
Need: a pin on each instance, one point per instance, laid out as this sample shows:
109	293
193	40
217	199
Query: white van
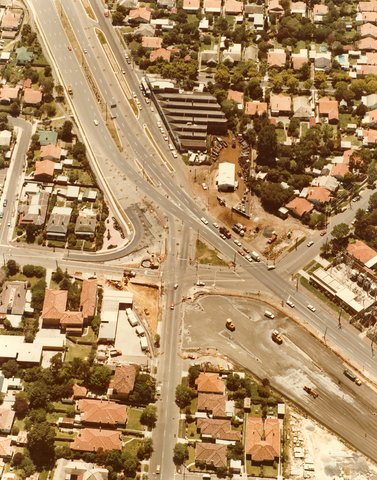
269	314
270	267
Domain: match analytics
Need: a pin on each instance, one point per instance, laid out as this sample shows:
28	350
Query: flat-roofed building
226	180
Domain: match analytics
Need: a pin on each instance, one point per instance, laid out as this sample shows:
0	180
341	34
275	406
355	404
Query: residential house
319	12
86	223
151	42
162	53
8	94
191	5
302	108
47	137
250	53
232	54
255	14
210	57
322	62
145	30
13	299
32	97
208	382
123	382
274	9
213	404
298	8
88	298
5	138
105	414
212	6
262	443
6	448
370	101
211	455
339	170
44	170
12	19
217	429
367	44
370	118
54	305
52	152
299	59
299	207
255	108
328	109
318	195
276	57
368	6
236	97
164	24
369	137
139	15
57	225
78	469
72	192
89	195
233	7
34	212
92	440
368	30
23	56
71	322
79	391
280	104
363	253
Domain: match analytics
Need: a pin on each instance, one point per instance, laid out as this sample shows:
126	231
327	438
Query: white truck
255	256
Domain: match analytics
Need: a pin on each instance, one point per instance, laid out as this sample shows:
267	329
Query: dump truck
230	325
276	337
311	391
224	231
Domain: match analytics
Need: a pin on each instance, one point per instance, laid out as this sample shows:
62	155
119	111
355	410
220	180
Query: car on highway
268	314
5	203
200	283
96	122
172	306
215	225
237	242
230	325
166	138
248	258
69	47
85	50
134	95
204	186
175	154
222	236
204	220
356	199
241	252
124	72
8	224
310	307
309	244
290	303
152	109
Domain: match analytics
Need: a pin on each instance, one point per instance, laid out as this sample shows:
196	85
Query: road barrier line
165	161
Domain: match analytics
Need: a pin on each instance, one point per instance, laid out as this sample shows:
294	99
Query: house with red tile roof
274	8
299	59
140	15
319	11
255	108
123	381
92	440
318	195
32	97
79	391
88	298
105	414
280	104
211	455
363	253
276	57
217	429
299	207
191	5
368	17
339	170
44	170
370	6
367	44
235	96
212	404
54	306
151	42
298	8
262	444
6	448
212	6
208	382
328	109
233	7
51	152
368	30
369	137
370	118
72	322
162	53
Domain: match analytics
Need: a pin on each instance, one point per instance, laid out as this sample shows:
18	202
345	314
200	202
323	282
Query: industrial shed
226	180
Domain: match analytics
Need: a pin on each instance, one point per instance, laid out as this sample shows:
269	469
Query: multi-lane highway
169	191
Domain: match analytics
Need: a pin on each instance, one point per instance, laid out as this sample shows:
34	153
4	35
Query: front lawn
133	422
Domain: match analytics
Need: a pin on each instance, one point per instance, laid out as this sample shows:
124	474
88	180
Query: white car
174	153
309	244
204	220
96	122
134	94
290	303
204	186
237	242
85	51
215	225
310	307
248	258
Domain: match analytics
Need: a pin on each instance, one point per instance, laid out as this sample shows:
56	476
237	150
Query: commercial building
226	180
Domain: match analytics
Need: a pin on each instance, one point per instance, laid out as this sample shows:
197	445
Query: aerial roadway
166	190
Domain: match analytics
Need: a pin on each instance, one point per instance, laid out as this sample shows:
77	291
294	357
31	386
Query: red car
241	252
69	47
323	232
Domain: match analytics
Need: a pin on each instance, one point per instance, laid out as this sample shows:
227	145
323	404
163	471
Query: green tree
38	293
149	416
144	391
10	368
41	444
14	109
21	404
183	396
66	131
99	378
12	268
193	374
130	464
340	231
180	453
38	394
145	450
273	195
267	145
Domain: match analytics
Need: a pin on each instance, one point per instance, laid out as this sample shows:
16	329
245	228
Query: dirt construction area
146	303
261	225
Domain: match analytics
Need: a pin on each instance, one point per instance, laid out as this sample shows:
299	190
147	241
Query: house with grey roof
86	222
23	56
47	137
58	222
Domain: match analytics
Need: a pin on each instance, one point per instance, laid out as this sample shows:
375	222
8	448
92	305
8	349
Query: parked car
310	307
309	244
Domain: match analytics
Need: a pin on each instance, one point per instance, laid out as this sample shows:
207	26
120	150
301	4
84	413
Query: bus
144	87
